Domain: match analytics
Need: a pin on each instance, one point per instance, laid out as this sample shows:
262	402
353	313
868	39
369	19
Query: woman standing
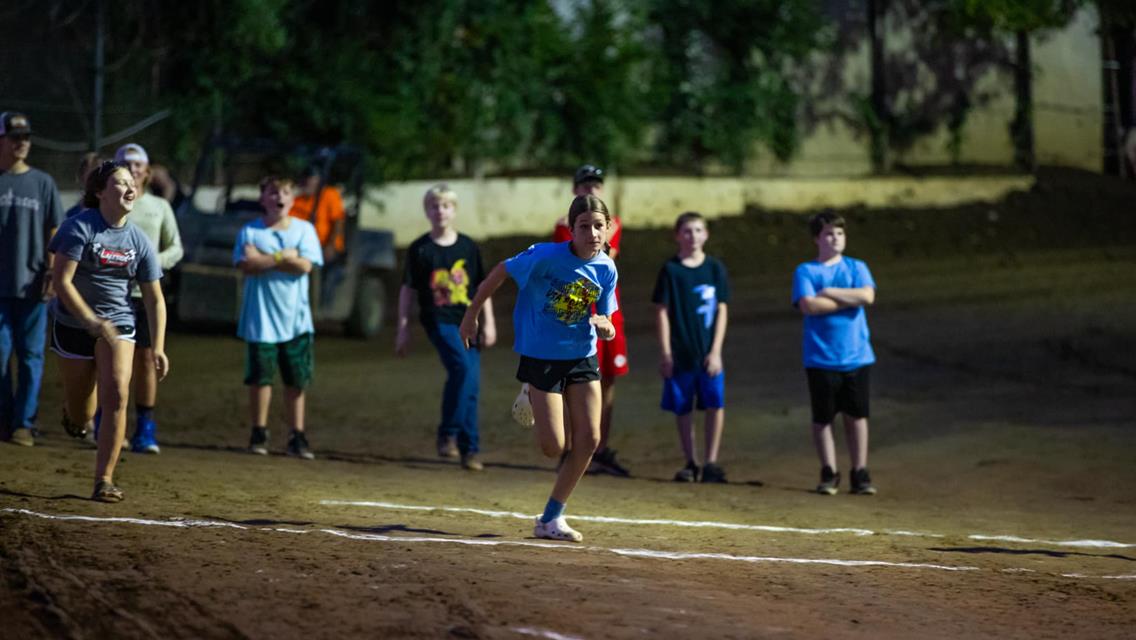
98	253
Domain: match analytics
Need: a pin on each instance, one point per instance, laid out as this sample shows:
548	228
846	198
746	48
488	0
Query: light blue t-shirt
557	291
275	307
837	341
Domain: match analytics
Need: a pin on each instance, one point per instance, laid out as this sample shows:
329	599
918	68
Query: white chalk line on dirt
543	633
635	553
1096	544
378	537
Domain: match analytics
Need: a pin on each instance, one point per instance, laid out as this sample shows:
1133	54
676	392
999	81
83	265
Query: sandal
106	492
74	429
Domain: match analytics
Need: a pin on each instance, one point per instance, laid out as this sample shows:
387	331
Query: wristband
278	256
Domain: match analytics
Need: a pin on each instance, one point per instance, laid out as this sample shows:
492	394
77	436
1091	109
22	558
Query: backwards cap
131	153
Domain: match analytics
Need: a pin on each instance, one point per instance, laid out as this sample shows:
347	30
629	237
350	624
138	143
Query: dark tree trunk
881	116
1021	128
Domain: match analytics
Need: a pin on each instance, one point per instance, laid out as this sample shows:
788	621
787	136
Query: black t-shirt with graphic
691	295
446	278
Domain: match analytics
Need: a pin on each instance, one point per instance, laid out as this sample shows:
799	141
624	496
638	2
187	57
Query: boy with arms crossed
690	295
276	252
831	292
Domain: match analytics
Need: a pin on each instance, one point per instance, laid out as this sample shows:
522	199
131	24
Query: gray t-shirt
29	209
109	259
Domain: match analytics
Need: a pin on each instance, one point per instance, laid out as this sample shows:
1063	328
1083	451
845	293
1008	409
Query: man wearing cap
154	216
30	211
611	354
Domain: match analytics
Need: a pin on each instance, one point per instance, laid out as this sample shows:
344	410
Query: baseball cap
14	122
130	153
588	172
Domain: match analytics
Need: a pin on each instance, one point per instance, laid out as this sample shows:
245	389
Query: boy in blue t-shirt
832	292
276	252
691	293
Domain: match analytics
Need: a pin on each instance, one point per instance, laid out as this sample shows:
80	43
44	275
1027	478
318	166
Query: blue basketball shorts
684	387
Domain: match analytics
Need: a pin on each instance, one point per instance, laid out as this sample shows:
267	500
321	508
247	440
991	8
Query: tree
721	83
1021	19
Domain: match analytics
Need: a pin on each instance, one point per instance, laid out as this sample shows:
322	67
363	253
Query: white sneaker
522	408
557	529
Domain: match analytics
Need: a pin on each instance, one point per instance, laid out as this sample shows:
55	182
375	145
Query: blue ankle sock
552	510
143	413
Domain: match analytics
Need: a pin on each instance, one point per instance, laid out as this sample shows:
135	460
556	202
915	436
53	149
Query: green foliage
721	79
467	87
1018	15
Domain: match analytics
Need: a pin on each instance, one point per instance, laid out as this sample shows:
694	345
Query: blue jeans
23	330
463	382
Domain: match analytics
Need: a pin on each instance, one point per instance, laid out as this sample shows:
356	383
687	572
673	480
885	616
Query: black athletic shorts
553	375
833	392
77	344
142	337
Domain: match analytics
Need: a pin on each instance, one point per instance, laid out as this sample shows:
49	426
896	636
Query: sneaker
258	441
556	529
145	437
74	430
471	462
23	437
298	446
829	481
689	473
604	461
862	482
448	447
713	473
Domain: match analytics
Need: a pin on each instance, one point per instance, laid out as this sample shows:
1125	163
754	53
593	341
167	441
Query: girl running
555	333
97	255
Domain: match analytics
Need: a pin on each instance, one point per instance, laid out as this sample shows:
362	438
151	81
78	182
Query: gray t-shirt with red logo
109	260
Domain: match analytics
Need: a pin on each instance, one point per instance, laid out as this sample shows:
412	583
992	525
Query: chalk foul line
634	553
1093	544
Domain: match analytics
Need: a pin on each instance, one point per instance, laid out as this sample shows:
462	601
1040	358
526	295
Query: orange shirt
330	212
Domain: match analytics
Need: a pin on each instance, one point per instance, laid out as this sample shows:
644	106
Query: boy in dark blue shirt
690	295
832	292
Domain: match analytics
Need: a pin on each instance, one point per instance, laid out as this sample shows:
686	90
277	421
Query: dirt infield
1002	441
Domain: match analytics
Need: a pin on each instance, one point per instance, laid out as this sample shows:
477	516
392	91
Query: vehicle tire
369	309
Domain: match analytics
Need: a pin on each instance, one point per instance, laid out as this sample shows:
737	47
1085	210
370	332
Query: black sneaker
829	481
689	473
604	461
713	473
258	441
862	482
298	446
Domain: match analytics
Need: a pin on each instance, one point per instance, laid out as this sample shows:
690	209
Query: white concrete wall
501	207
497	207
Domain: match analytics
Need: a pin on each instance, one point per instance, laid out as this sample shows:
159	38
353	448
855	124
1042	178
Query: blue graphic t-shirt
275	307
557	291
837	341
